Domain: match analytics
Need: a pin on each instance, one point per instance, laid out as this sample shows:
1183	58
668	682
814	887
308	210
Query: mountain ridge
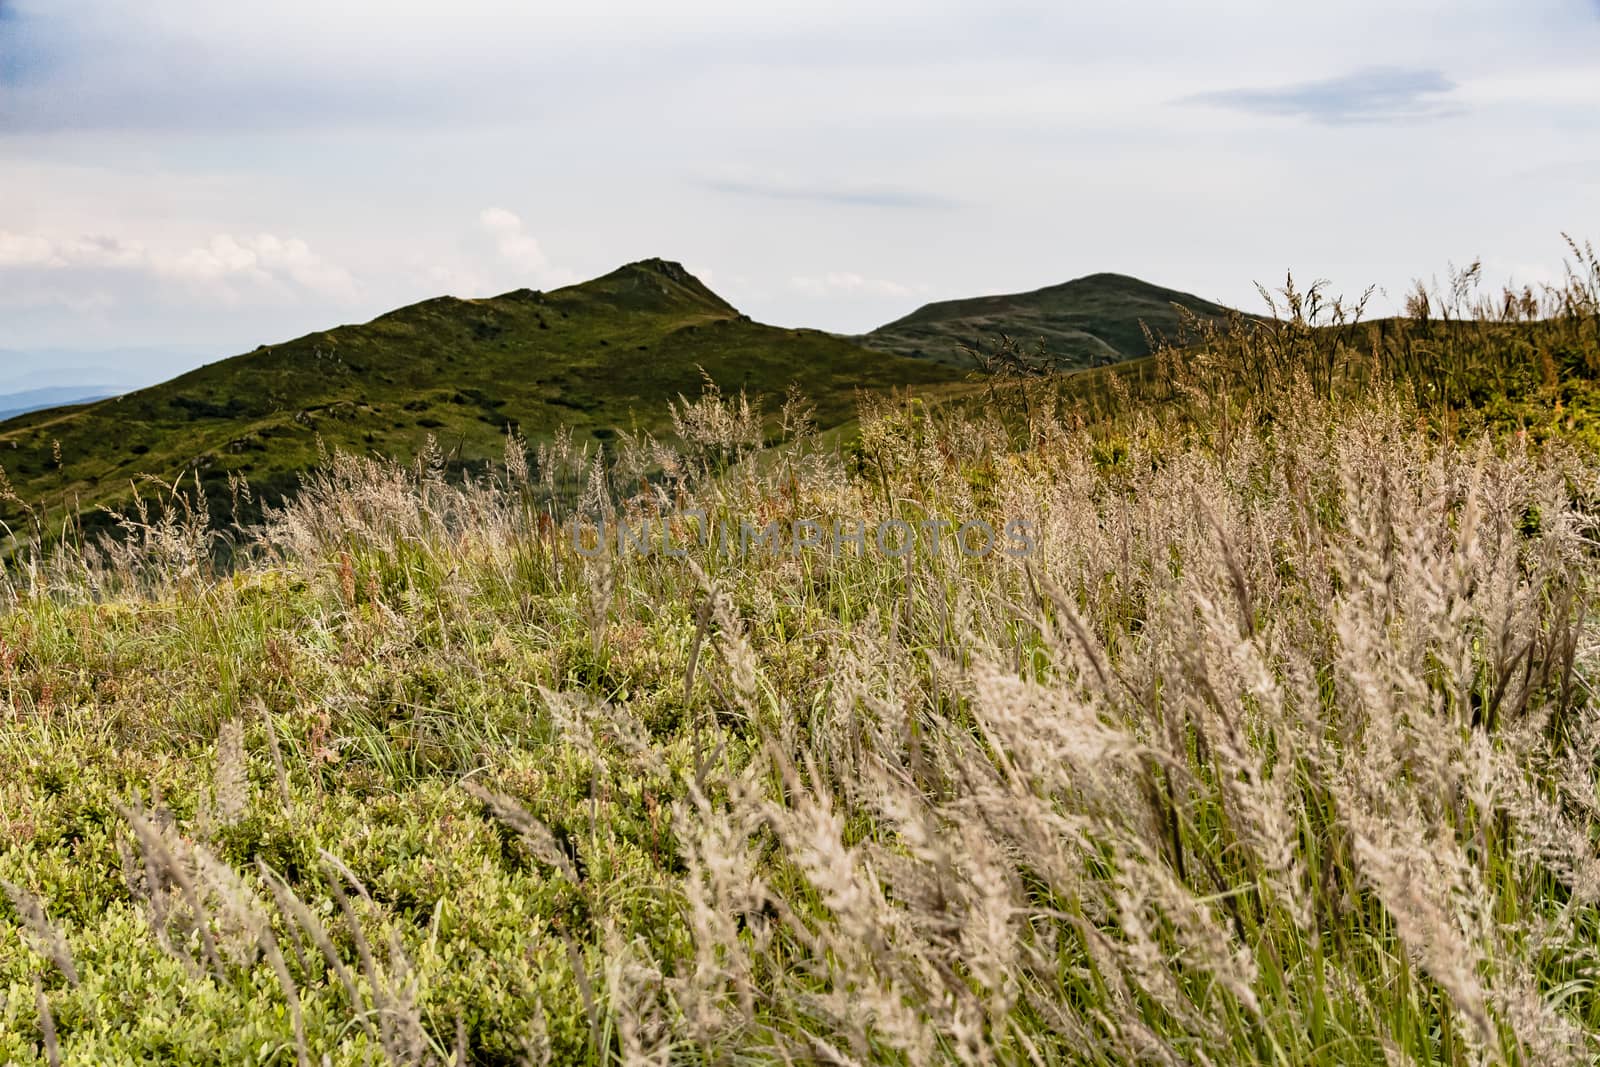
23	401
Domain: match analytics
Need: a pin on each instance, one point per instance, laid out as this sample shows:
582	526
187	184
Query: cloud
859	196
201	66
1375	95
198	64
107	65
847	282
97	272
518	257
25	250
512	241
263	260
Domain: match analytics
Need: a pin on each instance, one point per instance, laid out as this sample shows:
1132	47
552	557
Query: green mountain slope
605	354
1086	323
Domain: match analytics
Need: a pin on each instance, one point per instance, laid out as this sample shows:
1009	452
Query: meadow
1280	749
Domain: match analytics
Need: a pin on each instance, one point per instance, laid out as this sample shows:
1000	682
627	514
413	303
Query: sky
182	180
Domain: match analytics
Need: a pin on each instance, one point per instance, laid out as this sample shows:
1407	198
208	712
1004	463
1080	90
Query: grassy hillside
594	357
1089	322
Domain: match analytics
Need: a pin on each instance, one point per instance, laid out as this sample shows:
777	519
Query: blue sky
204	177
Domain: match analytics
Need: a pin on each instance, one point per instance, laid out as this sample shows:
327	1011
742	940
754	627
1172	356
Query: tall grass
1281	748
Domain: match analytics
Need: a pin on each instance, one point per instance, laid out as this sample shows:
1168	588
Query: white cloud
263	261
25	250
512	240
522	261
101	271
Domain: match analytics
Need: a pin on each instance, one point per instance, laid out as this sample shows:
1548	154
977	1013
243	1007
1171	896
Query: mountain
597	356
26	400
1088	322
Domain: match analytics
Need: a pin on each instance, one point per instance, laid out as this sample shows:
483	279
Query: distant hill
118	369
26	400
1088	322
605	354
